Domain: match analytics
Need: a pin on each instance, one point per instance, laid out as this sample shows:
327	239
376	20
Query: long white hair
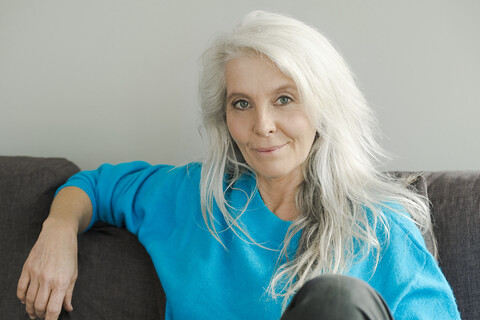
343	193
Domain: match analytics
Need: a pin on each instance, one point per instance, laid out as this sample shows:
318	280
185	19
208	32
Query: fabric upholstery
27	186
455	201
117	279
116	276
417	182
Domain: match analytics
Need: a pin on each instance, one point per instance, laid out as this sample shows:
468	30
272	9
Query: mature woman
288	215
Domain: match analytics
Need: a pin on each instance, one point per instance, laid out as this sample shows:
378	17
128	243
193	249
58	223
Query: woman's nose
264	122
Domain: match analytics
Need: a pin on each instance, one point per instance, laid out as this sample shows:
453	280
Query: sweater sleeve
424	292
428	296
119	192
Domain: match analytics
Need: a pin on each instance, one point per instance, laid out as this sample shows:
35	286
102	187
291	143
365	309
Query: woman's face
266	118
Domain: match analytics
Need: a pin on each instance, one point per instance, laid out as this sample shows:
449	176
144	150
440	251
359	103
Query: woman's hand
50	271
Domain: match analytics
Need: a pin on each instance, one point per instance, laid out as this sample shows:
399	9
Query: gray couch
116	276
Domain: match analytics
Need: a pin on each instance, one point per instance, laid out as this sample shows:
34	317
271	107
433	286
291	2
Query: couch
117	279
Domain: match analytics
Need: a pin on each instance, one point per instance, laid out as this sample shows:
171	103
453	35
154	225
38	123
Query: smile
268	150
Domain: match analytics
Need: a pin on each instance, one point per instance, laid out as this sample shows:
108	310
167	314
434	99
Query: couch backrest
455	203
27	186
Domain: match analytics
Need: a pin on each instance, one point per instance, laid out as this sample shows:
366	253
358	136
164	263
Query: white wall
115	80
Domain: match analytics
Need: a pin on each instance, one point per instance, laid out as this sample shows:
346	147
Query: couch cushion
116	279
455	200
116	276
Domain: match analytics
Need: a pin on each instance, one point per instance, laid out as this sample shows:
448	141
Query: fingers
23	286
41	300
67	302
30	299
49	273
54	305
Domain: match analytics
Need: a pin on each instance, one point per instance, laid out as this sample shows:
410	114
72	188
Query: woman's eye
241	104
284	100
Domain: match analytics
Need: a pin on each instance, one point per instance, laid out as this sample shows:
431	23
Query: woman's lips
269	149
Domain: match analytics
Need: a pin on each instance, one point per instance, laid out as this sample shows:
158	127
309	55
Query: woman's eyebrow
287	87
236	94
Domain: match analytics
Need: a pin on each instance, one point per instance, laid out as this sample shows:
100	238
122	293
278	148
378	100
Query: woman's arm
116	194
50	271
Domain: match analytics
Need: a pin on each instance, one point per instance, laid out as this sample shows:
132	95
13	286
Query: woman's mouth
269	149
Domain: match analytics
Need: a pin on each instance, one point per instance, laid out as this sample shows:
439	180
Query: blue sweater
161	206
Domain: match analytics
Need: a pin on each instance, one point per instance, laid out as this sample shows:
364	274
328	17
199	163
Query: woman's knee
337	297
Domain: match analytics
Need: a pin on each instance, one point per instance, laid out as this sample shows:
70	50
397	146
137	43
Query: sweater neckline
262	224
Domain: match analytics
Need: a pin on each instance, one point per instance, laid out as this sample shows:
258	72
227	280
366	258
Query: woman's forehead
250	72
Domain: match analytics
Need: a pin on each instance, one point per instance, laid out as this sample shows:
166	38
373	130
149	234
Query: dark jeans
336	297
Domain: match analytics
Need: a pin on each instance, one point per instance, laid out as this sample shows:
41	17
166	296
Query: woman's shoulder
145	168
397	234
392	222
136	175
407	261
173	174
402	226
186	169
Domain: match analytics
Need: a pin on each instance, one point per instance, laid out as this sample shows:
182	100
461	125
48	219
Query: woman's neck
279	196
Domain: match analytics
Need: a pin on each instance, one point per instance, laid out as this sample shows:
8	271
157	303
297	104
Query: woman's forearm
73	207
50	271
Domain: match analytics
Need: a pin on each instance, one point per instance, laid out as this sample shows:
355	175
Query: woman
287	209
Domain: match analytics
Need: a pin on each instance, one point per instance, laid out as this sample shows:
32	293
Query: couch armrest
27	187
116	279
